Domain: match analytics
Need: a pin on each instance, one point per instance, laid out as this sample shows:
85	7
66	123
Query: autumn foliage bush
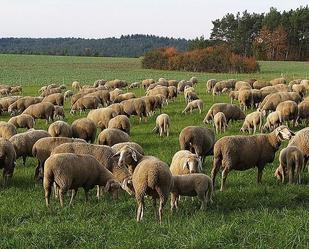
217	59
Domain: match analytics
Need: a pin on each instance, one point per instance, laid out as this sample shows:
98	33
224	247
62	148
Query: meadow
246	215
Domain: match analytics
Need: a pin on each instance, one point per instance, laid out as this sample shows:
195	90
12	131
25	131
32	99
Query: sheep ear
134	156
107	186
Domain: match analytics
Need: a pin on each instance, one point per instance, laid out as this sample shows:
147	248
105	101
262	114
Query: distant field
246	215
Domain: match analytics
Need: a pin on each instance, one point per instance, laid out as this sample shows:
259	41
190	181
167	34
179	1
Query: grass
246	215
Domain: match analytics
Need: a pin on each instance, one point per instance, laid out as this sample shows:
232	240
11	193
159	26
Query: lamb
55	99
60	129
84	128
198	140
301	141
273	121
111	136
220	122
291	164
7	159
70	172
102	116
44	110
252	120
195	104
231	112
288	111
135	107
85	103
7	130
124	96
120	122
59	112
245	152
162	125
192	185
185	162
23	142
210	84
76	85
151	177
22	121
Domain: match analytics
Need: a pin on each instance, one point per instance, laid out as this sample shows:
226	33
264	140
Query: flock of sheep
68	159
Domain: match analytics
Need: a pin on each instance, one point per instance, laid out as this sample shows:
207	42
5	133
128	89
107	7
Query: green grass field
246	215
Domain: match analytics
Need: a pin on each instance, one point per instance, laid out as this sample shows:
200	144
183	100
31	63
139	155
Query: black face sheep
220	122
23	142
70	171
111	136
60	129
163	123
245	152
43	110
22	121
198	140
7	130
291	164
102	116
253	121
195	104
120	122
185	162
7	159
199	185
84	128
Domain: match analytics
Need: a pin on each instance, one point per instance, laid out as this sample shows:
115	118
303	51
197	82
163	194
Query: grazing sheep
252	120
7	130
273	121
182	84
116	84
99	83
303	111
150	104
245	152
220	122
135	146
60	129
120	122
195	104
59	112
231	112
55	99
44	110
198	140
135	107
301	141
199	185
51	91
135	85
260	84
162	125
16	89
151	177
111	136
245	99
191	96
172	92
233	95
113	94
84	128
70	172
7	159
102	116
173	83
223	84
256	97
68	94
21	104
76	86
23	142
163	90
7	101
146	83
85	103
300	89
124	96
185	162
102	95
242	84
118	108
288	111
278	81
22	121
291	164
193	80
210	84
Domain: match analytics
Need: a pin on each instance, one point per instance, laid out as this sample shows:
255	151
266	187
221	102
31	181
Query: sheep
210	84
116	84
191	96
43	110
252	120
245	152
193	80
59	112
85	103
102	116
151	177
256	97
135	85
220	85
305	83
51	91
273	121
70	171
293	82
7	130
185	162
111	136
120	122
182	84
195	104
124	96
192	185
220	122
21	104
60	129
22	121
117	107
198	140
278	81
7	159
173	83
162	125
99	83
301	141
300	89
7	101
135	107
233	95
150	104
231	112
172	92
84	128
260	84
76	85
288	111
135	146
245	99
291	161
16	89
159	90
23	142
241	84
67	94
146	83
303	111
55	99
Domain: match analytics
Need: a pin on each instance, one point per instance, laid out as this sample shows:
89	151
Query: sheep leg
47	188
74	192
260	173
61	197
24	160
86	194
154	204
162	202
223	179
254	128
215	169
174	199
99	192
140	210
203	199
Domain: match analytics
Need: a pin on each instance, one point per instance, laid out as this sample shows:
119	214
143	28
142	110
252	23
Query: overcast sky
107	18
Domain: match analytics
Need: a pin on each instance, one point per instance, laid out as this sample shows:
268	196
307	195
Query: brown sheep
134	107
7	130
44	110
111	136
7	159
22	121
102	116
288	111
60	129
85	103
124	96
120	122
55	99
84	128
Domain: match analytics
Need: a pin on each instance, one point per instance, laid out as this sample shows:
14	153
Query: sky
113	18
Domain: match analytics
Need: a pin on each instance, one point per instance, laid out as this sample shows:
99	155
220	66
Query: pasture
246	215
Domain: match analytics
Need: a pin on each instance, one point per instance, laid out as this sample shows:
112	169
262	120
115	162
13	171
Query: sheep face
279	174
127	185
284	133
193	164
127	156
113	187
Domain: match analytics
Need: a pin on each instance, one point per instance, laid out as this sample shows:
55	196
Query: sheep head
127	156
284	133
193	163
127	185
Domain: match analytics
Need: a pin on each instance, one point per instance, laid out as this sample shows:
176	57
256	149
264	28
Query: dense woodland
273	35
